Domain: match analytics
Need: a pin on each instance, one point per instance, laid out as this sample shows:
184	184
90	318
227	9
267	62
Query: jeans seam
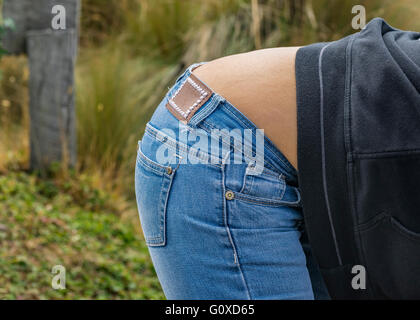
142	160
261	203
230	236
265	202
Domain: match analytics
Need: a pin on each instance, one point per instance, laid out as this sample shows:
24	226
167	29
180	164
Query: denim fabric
215	228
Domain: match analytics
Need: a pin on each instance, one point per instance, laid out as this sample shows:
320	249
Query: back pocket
152	184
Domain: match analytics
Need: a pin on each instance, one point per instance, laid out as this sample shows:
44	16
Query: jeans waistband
218	114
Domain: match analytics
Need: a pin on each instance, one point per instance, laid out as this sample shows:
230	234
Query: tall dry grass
115	96
14	116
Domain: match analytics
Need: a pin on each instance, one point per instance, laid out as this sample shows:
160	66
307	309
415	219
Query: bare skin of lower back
261	84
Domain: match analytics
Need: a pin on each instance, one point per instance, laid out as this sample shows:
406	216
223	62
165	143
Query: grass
46	223
113	105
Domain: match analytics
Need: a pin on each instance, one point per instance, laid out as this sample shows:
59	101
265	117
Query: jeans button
169	170
229	195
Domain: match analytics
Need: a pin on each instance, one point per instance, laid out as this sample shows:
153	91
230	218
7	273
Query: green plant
113	104
71	223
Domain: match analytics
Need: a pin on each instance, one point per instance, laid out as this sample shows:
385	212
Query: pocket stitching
395	224
149	168
150	164
247	186
404	231
372	223
264	201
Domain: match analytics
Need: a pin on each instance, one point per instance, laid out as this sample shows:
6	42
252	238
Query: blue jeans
220	208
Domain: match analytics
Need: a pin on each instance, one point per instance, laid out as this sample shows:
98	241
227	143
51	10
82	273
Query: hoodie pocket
392	255
387	201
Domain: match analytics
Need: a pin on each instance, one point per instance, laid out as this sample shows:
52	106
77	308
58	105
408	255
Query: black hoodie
359	160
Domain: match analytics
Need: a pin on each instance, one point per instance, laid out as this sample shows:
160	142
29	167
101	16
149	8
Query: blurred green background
130	53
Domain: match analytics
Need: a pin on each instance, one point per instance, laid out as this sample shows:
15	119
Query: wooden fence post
52	55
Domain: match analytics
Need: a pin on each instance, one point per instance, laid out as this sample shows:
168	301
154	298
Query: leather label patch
189	97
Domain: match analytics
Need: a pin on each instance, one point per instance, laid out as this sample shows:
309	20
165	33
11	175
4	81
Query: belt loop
179	160
225	159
